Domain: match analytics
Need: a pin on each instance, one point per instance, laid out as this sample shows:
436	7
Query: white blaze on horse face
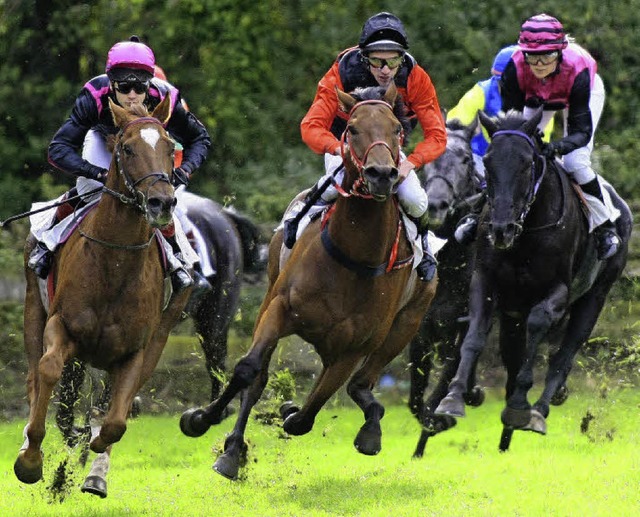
151	135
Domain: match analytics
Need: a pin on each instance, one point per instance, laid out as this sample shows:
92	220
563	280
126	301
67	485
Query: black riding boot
426	270
180	277
467	228
607	240
40	260
290	225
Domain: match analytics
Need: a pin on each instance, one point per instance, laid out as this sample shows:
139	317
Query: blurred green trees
249	71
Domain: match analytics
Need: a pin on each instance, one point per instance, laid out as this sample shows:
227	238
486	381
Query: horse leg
512	349
270	327
583	317
299	422
480	310
125	382
28	465
518	413
405	326
96	481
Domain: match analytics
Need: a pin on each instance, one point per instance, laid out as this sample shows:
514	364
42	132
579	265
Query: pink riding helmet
542	33
132	55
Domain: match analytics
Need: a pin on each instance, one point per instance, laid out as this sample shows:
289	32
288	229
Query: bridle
138	199
359	187
535	177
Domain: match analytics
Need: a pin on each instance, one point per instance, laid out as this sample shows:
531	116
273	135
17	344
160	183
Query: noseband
535	177
359	187
138	198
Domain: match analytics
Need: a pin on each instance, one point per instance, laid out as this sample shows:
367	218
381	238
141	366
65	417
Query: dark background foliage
249	71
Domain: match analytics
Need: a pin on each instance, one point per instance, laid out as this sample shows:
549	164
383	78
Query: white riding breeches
577	163
412	197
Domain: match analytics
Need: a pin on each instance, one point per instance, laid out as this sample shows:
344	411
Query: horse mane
399	108
454	124
139	110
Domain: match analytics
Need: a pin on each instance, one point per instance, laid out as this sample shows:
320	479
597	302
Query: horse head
451	178
371	142
142	163
512	164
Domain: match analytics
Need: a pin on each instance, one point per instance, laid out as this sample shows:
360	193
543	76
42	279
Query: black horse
536	263
235	251
454	189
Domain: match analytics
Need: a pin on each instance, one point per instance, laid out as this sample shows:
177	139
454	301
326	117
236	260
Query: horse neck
366	228
115	221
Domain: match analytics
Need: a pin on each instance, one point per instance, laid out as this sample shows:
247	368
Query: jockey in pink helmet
550	70
79	147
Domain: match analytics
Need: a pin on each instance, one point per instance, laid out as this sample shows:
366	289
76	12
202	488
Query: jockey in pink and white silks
551	71
129	79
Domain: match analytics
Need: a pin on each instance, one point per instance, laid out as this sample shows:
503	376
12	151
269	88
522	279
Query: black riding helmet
383	31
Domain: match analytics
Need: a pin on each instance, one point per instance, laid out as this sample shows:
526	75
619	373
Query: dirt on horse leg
28	465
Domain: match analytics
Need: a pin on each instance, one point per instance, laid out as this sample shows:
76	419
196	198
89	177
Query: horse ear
391	94
119	114
163	110
472	128
488	123
529	127
345	100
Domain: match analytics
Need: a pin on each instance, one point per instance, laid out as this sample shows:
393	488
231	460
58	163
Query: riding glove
180	177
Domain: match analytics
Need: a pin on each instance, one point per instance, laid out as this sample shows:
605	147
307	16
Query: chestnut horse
344	289
108	294
536	265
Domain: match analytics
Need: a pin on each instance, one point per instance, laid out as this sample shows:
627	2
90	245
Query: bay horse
536	264
107	287
347	288
454	188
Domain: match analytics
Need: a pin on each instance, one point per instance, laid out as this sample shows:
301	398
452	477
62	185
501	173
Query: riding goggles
377	62
536	59
125	87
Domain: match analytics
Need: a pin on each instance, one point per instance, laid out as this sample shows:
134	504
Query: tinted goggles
376	62
536	59
125	87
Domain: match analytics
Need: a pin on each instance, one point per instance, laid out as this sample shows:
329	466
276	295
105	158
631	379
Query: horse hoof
515	418
287	409
192	423
295	425
26	474
537	423
560	396
227	466
451	405
475	397
95	485
136	407
368	440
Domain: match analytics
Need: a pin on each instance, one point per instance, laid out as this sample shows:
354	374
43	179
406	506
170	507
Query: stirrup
40	260
607	243
465	232
180	280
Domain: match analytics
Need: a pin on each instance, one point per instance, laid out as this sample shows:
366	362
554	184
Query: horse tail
254	251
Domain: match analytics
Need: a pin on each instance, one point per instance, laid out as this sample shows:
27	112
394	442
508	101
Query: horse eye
352	130
127	150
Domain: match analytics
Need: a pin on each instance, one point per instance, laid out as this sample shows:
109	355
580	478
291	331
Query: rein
535	179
